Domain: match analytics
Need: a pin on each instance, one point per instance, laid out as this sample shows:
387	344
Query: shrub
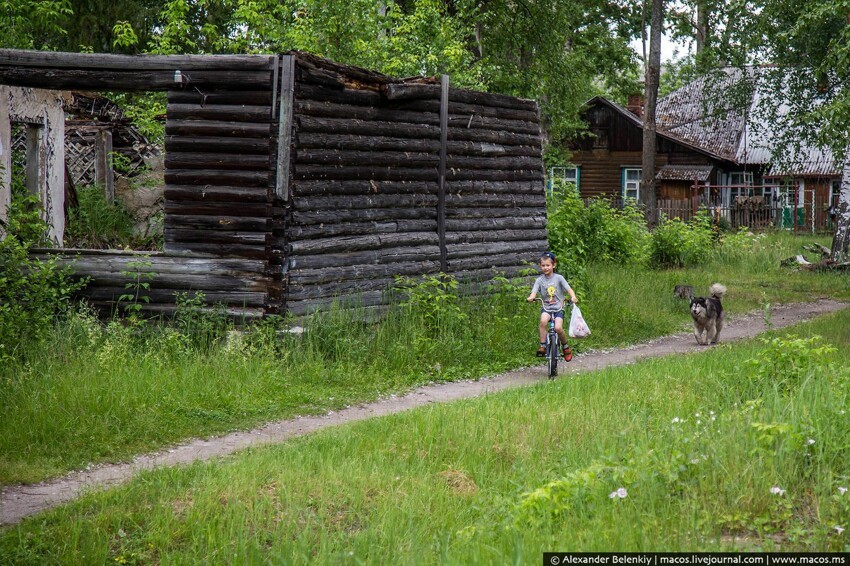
679	244
32	292
97	223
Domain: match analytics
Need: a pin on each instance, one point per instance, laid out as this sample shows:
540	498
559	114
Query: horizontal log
367	257
517	212
222	178
219	112
76	79
219	161
367	128
495	187
359	97
330	217
310	74
360	272
203	208
411	91
214	193
125	260
320	93
494	175
489	249
477	236
373	158
491	99
318	172
494	163
96	61
238	314
178	281
494	201
306	140
224	237
217	129
487	273
494	136
214	222
340	244
298	233
240	298
336	288
379	114
496	261
251	97
364	201
346	73
211	249
303	189
497	223
228	145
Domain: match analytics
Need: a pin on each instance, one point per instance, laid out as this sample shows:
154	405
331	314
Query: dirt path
18	502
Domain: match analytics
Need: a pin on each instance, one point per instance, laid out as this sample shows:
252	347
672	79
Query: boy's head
548	261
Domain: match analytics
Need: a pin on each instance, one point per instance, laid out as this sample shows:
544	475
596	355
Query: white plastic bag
578	327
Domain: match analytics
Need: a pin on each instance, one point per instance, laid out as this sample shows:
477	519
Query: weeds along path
18	502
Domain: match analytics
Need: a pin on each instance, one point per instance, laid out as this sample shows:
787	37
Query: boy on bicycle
553	288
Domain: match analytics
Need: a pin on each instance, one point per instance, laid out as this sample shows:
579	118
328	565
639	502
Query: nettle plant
434	298
681	244
787	360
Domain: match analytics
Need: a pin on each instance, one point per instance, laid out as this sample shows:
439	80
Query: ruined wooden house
292	180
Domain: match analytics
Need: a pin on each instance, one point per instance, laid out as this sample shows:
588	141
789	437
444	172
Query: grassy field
102	393
743	446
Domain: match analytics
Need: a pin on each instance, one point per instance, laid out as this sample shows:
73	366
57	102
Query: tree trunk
653	72
702	32
841	239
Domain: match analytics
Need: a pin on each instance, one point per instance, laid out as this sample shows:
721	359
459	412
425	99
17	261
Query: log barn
292	180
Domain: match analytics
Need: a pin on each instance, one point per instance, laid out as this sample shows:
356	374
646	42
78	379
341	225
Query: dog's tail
717	290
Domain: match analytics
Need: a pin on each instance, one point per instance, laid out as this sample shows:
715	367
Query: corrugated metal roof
735	127
684	173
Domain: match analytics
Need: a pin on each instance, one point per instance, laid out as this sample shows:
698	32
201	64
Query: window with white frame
741	184
834	191
631	182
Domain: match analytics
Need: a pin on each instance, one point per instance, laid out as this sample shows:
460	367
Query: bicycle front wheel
552	355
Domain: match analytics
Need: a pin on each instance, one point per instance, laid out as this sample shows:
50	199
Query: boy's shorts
559	314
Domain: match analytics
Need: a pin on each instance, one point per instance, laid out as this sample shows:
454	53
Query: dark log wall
365	185
242	285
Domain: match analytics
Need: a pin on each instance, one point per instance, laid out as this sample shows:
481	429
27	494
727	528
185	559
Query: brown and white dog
707	313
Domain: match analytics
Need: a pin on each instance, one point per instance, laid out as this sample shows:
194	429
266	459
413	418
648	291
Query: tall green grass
96	392
720	450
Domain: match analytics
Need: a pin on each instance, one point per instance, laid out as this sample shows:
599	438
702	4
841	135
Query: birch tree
653	73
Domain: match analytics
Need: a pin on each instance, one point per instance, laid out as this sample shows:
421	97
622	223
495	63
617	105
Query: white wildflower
838	529
810	441
676	420
842	490
776	490
695	461
621	493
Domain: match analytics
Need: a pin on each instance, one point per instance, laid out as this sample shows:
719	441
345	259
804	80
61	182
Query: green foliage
681	244
594	233
205	326
787	360
32	292
433	298
32	24
97	223
139	276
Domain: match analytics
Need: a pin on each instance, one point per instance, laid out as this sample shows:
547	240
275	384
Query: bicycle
553	342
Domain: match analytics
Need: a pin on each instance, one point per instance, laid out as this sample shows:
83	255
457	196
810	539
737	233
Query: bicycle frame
553	343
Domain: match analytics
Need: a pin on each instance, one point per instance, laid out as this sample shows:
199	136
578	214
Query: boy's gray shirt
553	290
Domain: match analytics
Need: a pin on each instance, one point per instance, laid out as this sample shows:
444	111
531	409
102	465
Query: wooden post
33	167
441	189
103	173
284	132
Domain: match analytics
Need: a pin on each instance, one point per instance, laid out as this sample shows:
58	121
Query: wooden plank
224	178
329	217
363	187
95	61
303	232
325	141
373	158
345	202
246	298
230	144
219	161
476	236
496	201
494	175
249	209
218	112
216	193
515	212
396	255
441	178
497	223
216	129
338	244
224	237
284	135
347	126
360	272
217	250
249	97
319	172
475	186
210	222
58	79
